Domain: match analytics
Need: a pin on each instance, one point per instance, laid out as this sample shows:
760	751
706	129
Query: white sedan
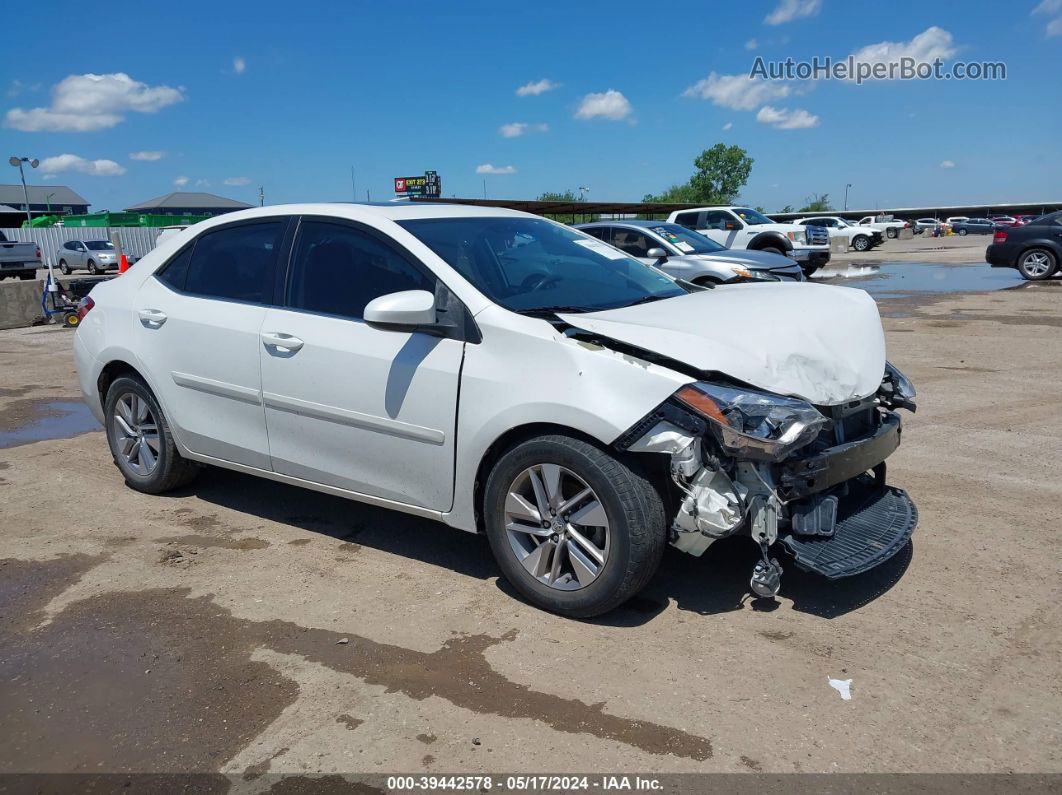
508	375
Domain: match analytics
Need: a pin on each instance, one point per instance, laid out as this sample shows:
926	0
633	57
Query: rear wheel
574	529
140	439
890	232
963	232
1037	264
64	268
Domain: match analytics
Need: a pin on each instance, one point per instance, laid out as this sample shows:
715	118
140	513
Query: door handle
284	342
152	318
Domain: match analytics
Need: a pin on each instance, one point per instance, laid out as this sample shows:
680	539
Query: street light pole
48	201
18	161
846	187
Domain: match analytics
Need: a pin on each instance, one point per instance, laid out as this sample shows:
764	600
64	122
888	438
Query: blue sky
290	96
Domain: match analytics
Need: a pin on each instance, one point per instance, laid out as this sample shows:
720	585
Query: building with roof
44	199
188	203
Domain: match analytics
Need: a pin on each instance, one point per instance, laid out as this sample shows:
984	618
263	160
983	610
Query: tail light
38	252
906	225
83	307
1000	236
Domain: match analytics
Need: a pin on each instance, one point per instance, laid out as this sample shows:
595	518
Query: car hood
821	343
750	259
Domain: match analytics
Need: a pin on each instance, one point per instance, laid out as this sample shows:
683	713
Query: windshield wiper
552	310
647	299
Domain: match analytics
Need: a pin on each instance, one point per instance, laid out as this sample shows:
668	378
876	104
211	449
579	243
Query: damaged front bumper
826	504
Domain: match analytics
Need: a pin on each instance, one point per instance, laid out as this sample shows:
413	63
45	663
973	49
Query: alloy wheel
557	527
137	433
1036	263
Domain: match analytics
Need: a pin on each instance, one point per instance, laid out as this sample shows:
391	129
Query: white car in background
745	228
605	410
886	223
860	238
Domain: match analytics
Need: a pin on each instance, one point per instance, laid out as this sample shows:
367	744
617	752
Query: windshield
528	264
752	217
99	245
687	241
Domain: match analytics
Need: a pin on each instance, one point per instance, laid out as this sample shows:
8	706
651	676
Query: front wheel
92	268
140	439
773	250
963	232
573	528
64	268
1037	264
861	243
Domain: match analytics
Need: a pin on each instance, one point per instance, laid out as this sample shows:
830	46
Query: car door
715	224
348	405
196	325
78	258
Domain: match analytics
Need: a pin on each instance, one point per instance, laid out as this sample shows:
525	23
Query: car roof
392	211
641	223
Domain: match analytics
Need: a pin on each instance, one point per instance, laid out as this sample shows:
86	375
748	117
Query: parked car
1035	248
861	238
1025	219
745	228
974	226
18	259
95	256
605	409
923	225
953	219
685	254
886	223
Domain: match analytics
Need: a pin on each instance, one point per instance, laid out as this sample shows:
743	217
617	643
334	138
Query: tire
64	268
771	250
891	233
631	542
71	320
963	232
170	470
861	243
92	268
1037	264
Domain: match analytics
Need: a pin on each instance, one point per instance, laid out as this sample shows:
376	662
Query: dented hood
821	343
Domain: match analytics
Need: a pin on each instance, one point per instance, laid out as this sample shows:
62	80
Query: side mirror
403	310
656	253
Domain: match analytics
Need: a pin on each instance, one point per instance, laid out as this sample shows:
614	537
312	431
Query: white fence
135	239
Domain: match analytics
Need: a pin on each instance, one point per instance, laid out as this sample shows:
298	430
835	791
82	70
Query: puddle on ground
38	420
902	279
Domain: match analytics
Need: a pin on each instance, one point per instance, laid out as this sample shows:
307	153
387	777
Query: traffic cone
123	264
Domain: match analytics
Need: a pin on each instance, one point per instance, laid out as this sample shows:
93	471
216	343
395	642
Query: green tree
816	203
554	196
721	173
787	209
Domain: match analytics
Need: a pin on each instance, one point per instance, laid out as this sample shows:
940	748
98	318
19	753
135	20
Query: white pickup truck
745	228
886	223
861	238
19	259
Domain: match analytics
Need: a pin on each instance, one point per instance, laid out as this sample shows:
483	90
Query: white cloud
785	119
534	88
237	181
728	125
1048	7
738	92
933	42
751	44
151	155
95	168
611	105
518	128
1054	27
947	164
239	66
84	103
487	168
180	182
788	10
48	177
202	183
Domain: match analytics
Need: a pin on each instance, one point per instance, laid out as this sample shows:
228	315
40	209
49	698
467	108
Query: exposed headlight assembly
755	425
896	390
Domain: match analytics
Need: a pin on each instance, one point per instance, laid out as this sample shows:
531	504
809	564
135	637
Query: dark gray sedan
96	256
685	254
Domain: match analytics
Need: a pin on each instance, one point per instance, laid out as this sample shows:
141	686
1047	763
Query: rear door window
236	263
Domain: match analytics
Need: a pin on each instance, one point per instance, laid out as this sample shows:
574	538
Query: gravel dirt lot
244	626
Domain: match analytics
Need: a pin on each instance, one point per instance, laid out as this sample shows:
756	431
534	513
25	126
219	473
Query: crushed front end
782	471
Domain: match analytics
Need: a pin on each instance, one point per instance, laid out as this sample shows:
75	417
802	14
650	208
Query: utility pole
353	185
846	187
18	161
261	196
484	187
